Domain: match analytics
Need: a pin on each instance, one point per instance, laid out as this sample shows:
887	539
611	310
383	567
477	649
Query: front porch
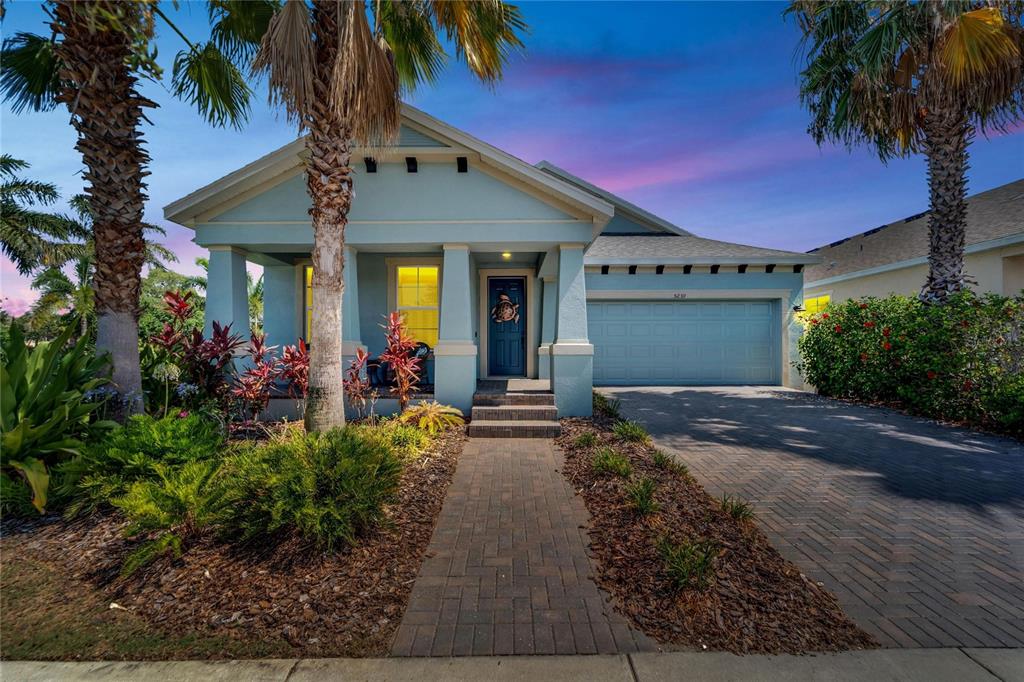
483	312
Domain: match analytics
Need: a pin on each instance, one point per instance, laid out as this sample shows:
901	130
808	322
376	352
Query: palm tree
31	238
905	77
64	291
337	69
97	52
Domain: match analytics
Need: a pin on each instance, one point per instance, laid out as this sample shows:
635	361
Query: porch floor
502	386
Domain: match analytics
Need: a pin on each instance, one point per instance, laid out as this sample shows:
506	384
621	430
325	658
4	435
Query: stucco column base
544	361
455	364
572	378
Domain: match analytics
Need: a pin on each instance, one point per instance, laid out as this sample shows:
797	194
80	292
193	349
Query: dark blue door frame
506	326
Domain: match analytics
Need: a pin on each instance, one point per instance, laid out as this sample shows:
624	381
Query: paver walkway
507	570
918	528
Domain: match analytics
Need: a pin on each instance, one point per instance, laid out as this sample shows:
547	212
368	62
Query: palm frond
287	55
29	73
364	82
978	46
207	79
418	54
485	33
238	26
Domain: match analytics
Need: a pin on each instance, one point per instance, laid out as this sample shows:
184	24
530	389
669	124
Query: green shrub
687	564
587	439
407	441
179	503
641	496
736	508
15	497
958	361
631	431
330	487
44	412
605	406
667	462
432	417
608	461
107	469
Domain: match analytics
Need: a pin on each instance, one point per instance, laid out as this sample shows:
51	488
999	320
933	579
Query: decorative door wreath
505	310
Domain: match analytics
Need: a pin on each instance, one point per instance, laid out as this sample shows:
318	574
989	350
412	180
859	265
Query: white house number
678	295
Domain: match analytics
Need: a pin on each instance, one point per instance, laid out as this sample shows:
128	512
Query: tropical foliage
433	417
962	361
45	406
906	77
91	62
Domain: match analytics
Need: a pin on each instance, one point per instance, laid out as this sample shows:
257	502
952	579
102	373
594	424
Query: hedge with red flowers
962	361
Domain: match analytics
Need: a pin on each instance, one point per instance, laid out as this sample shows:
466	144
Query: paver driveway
918	528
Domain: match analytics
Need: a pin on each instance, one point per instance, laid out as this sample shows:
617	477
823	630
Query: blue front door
506	330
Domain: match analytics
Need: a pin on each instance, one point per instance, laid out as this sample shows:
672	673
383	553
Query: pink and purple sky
690	110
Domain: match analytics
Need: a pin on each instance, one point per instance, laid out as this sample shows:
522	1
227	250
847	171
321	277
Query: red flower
182	414
814	321
965	324
863	306
839	329
886	331
968	385
824	316
886	345
863	357
932	374
869	324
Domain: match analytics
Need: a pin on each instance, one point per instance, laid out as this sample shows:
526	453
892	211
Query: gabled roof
995	217
626	208
285	162
663	248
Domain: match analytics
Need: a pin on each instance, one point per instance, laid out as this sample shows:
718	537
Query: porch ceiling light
506	255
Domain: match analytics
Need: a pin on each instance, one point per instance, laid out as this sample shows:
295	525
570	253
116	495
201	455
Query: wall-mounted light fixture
506	255
410	164
371	164
462	163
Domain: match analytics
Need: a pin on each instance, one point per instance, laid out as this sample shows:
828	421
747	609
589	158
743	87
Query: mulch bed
339	604
756	602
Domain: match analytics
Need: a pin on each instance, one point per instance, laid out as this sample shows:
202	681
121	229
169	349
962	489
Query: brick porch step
527	428
499	399
515	413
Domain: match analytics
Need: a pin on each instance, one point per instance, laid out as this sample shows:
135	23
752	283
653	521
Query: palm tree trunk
946	139
329	180
106	111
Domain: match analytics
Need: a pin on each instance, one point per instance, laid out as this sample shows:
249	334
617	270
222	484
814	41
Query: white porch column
549	310
572	355
282	305
351	337
227	296
455	357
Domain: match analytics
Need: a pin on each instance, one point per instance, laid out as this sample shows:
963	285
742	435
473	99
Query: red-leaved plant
399	354
252	387
357	387
294	365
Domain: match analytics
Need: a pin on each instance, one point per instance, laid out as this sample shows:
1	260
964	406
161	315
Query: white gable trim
623	207
211	199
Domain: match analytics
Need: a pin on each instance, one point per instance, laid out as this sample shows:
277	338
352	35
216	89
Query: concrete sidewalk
932	665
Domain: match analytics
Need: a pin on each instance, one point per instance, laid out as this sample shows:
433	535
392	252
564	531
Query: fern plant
433	417
178	505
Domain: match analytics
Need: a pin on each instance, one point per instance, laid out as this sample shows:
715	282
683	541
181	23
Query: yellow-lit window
309	301
816	304
417	299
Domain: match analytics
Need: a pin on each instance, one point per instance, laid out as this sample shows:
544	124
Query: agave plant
43	405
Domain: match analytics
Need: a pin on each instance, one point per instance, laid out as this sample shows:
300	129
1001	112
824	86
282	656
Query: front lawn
688	569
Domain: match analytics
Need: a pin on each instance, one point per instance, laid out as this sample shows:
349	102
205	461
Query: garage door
685	342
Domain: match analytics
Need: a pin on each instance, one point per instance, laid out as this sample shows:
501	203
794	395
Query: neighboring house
504	269
893	259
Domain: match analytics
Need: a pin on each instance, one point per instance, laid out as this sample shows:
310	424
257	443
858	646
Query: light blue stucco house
505	270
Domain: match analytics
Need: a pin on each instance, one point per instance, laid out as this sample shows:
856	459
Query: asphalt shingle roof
650	248
991	215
